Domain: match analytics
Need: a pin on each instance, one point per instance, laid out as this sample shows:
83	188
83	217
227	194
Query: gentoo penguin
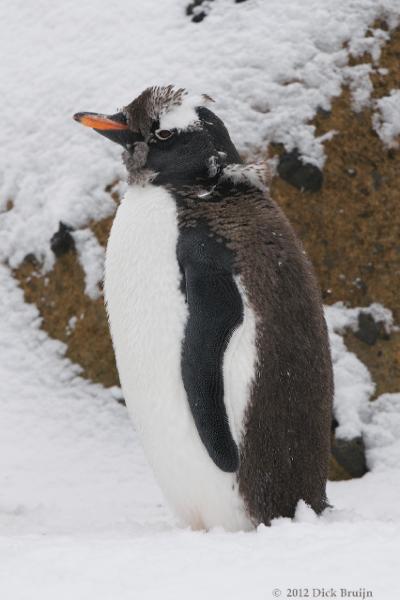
216	320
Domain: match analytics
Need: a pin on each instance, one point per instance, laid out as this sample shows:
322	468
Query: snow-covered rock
386	119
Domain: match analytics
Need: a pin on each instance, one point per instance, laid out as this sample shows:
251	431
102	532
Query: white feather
148	315
182	116
239	366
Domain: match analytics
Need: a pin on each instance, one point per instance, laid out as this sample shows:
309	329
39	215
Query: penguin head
169	136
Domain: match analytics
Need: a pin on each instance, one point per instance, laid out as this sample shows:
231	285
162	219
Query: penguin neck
232	179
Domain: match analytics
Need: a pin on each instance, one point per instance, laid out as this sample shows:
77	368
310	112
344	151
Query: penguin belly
148	314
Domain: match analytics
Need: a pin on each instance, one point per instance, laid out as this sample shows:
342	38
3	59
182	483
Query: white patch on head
184	115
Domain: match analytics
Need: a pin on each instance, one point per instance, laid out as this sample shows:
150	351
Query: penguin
216	320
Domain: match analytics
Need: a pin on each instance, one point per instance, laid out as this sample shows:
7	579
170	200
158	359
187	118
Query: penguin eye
163	134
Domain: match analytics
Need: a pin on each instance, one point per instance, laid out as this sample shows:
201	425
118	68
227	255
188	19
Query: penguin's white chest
148	314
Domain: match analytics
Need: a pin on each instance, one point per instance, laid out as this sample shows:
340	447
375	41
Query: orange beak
101	122
113	127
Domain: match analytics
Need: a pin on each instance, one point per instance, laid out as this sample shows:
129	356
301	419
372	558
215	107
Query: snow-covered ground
80	514
81	517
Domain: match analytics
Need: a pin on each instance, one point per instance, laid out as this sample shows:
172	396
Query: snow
382	432
184	115
91	256
386	119
81	516
61	434
80	513
268	65
353	384
340	317
72	321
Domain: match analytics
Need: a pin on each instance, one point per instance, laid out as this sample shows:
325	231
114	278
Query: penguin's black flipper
215	311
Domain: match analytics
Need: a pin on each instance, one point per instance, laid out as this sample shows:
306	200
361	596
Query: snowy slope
268	64
80	514
81	517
